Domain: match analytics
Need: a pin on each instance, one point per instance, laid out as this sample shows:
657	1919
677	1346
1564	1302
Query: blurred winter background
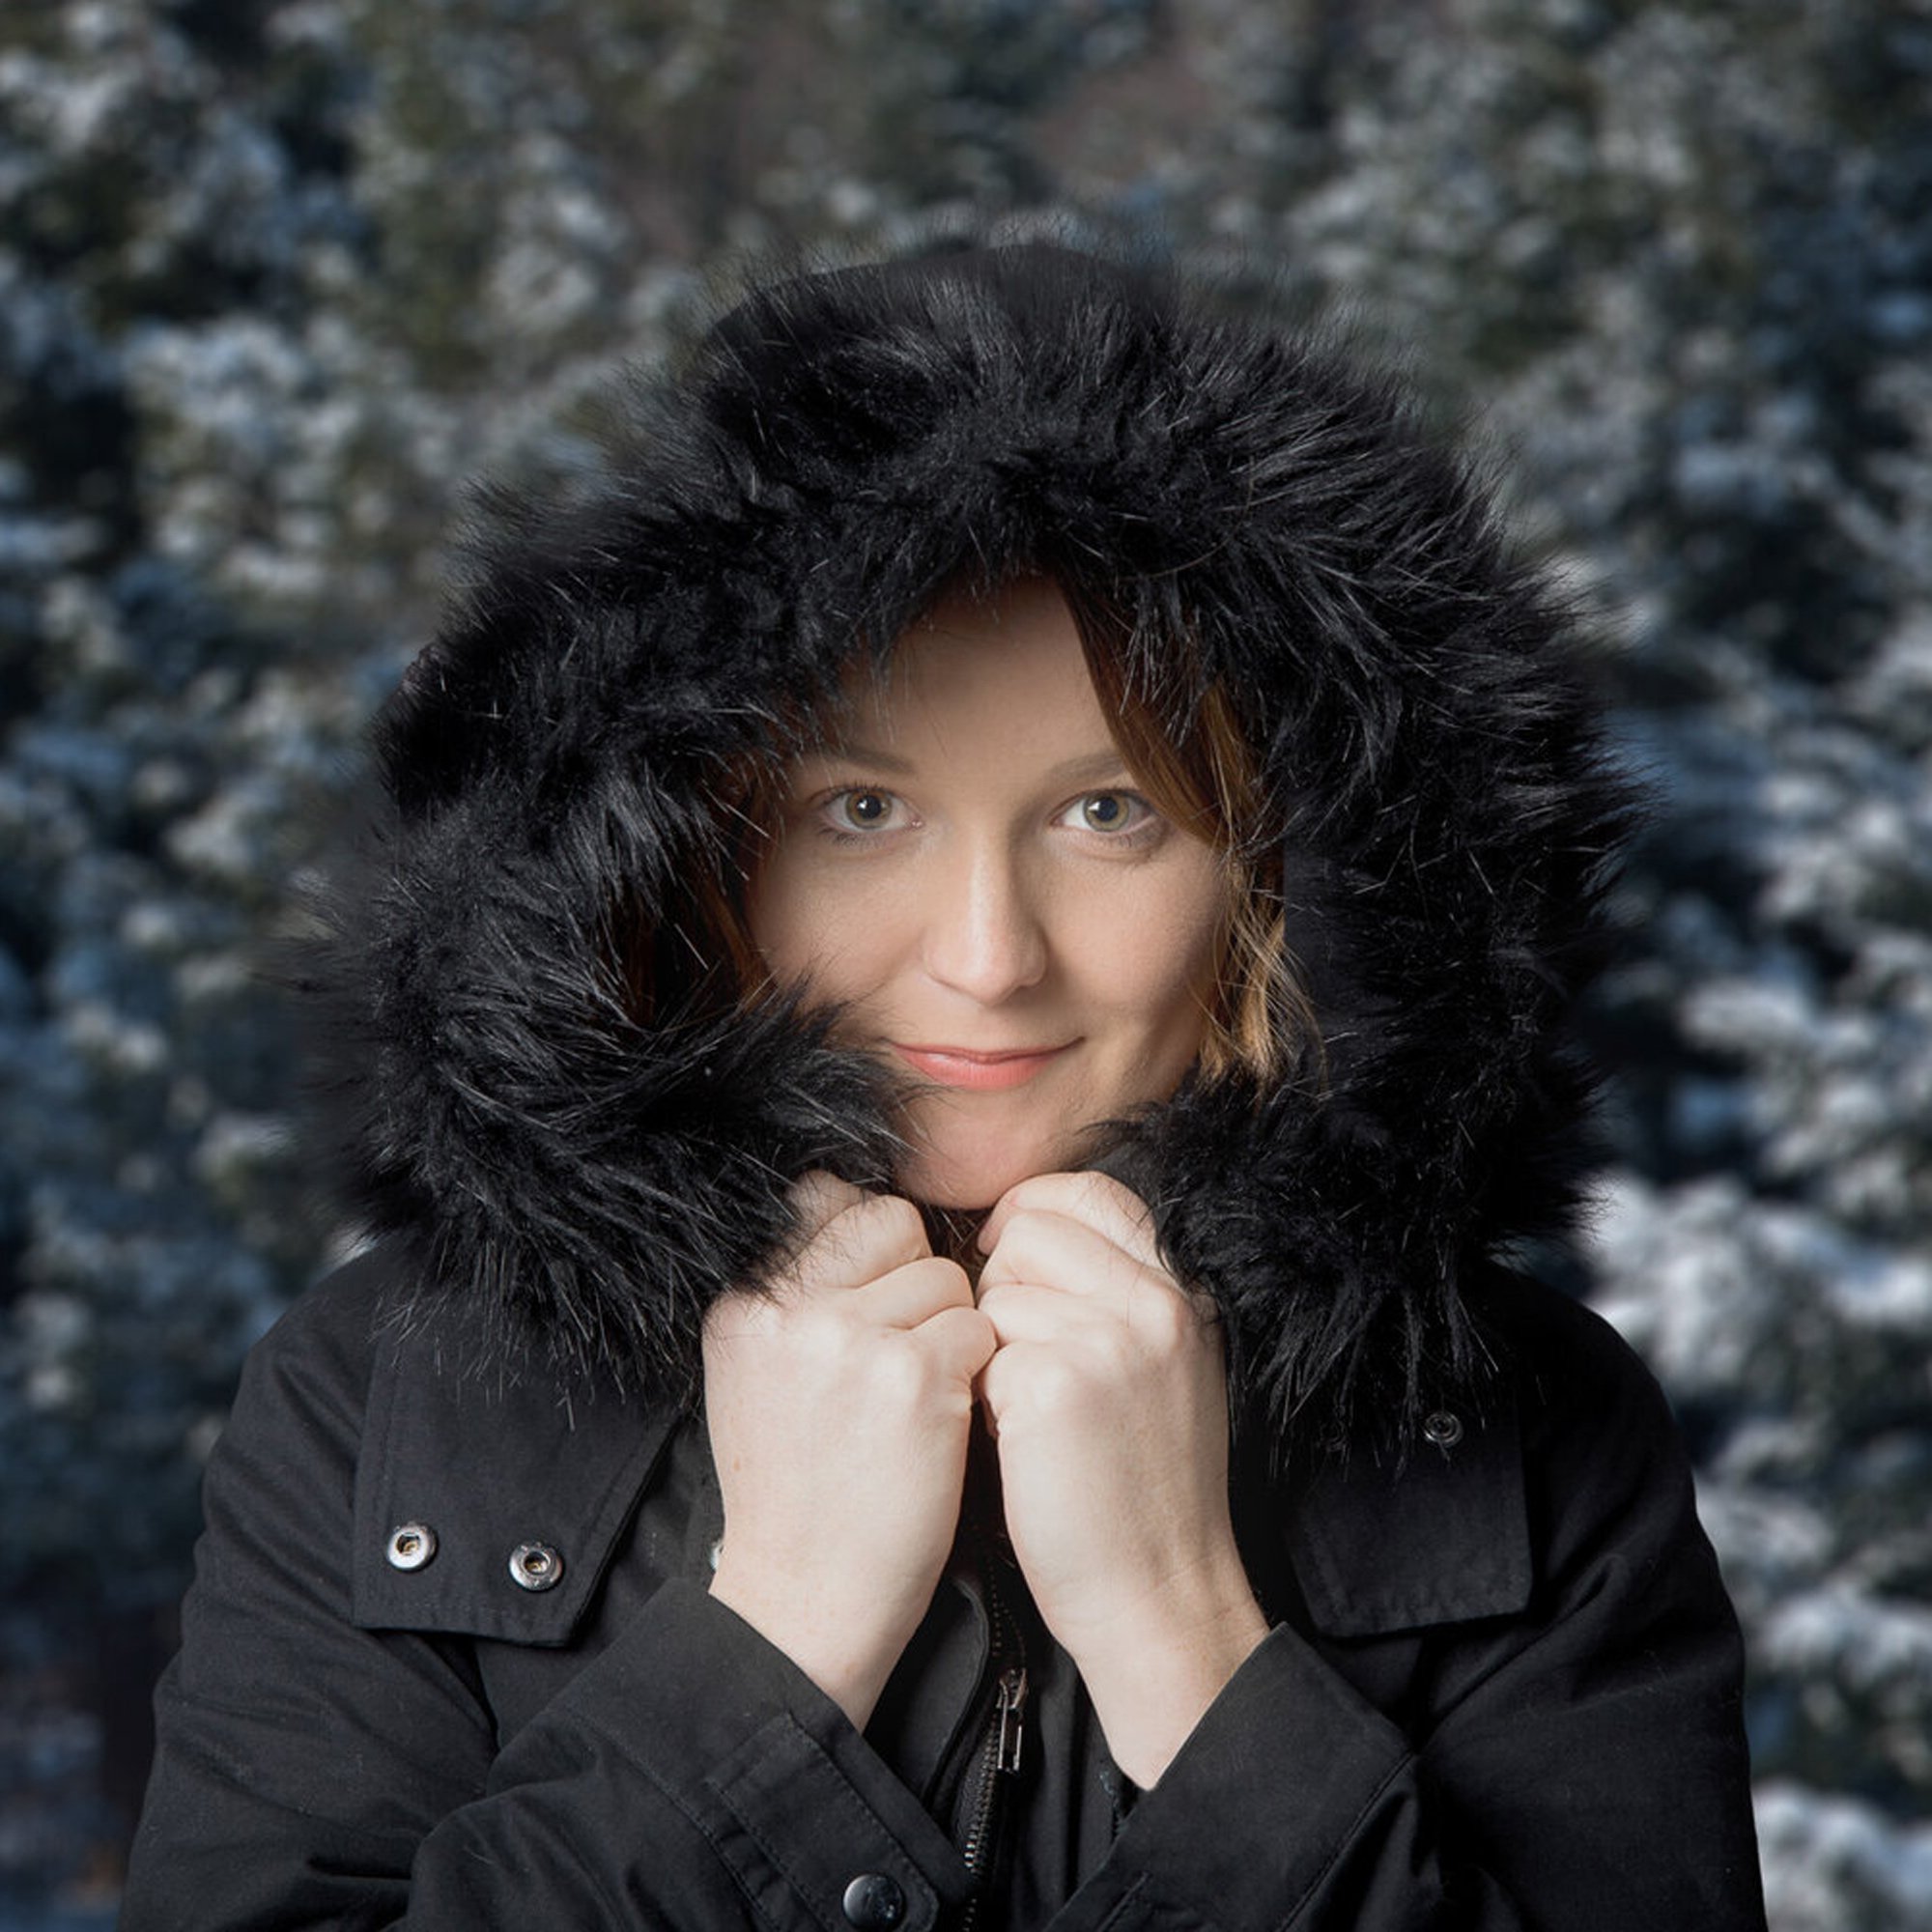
274	277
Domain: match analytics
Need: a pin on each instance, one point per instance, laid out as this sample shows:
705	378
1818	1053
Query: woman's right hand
839	1400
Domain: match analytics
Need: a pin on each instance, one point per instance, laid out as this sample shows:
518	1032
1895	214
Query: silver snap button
535	1566
1443	1427
411	1546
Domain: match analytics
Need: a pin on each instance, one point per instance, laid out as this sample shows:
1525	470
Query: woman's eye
1109	812
862	809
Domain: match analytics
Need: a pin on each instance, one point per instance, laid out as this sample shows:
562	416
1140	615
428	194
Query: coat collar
1439	1537
488	1471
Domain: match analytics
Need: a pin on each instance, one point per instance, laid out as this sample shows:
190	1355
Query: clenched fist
838	1399
1109	1400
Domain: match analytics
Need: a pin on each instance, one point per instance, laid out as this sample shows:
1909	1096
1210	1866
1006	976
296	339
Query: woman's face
972	875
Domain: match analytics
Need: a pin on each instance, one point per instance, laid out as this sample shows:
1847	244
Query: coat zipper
1004	1735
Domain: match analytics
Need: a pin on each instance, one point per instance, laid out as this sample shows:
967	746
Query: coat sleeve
311	1774
1581	1768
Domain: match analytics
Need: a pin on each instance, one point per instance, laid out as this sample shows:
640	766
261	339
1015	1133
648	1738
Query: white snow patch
1812	1846
1843	1631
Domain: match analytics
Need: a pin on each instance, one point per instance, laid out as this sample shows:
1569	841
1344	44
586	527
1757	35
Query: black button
874	1902
1443	1428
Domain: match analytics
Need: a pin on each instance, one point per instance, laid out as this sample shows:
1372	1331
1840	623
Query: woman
950	1028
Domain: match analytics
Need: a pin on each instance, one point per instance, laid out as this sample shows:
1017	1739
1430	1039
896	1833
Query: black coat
1503	1685
1502	1692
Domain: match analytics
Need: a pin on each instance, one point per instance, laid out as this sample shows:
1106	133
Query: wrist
1153	1670
845	1650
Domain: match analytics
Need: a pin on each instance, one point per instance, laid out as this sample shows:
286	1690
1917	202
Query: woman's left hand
1108	1398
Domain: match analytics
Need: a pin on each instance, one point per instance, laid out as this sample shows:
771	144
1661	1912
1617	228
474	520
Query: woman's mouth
977	1071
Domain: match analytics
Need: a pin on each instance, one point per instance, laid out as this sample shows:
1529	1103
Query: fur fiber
838	448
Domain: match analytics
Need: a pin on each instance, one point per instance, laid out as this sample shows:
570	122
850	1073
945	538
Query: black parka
449	1660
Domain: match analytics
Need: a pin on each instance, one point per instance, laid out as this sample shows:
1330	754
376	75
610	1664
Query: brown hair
1184	746
1191	756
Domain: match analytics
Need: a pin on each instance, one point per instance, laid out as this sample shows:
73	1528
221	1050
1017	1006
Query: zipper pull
1012	1693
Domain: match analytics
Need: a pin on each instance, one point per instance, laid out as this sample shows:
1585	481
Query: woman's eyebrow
1082	769
1090	766
848	751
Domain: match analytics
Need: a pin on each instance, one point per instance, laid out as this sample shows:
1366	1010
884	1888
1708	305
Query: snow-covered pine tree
1680	251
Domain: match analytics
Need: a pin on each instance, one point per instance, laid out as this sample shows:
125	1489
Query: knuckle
1023	1226
1091	1184
900	1376
817	1196
1019	1249
1117	1354
945	1276
881	1231
1102	1193
1056	1384
911	1216
741	1312
893	1216
824	1331
1090	1189
963	1335
1001	1300
1163	1315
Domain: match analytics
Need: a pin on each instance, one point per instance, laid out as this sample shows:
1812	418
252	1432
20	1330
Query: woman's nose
984	933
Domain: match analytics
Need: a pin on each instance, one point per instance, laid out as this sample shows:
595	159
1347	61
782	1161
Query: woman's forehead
1004	670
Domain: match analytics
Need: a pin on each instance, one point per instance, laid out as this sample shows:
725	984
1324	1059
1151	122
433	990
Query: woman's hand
1109	1399
839	1402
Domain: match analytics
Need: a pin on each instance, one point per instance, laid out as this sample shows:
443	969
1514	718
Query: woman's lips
979	1072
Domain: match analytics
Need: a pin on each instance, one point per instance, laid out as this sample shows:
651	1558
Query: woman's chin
955	1194
968	1172
968	1180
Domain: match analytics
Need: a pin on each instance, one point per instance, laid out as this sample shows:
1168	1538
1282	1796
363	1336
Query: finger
867	1238
739	1317
875	1234
816	1197
1154	1322
1097	1199
903	1299
1039	1244
1012	1374
961	1339
1027	1312
913	1293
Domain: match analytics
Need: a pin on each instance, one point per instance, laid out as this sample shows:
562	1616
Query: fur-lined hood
586	1167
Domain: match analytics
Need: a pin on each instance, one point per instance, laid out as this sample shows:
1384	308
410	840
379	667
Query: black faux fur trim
839	447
